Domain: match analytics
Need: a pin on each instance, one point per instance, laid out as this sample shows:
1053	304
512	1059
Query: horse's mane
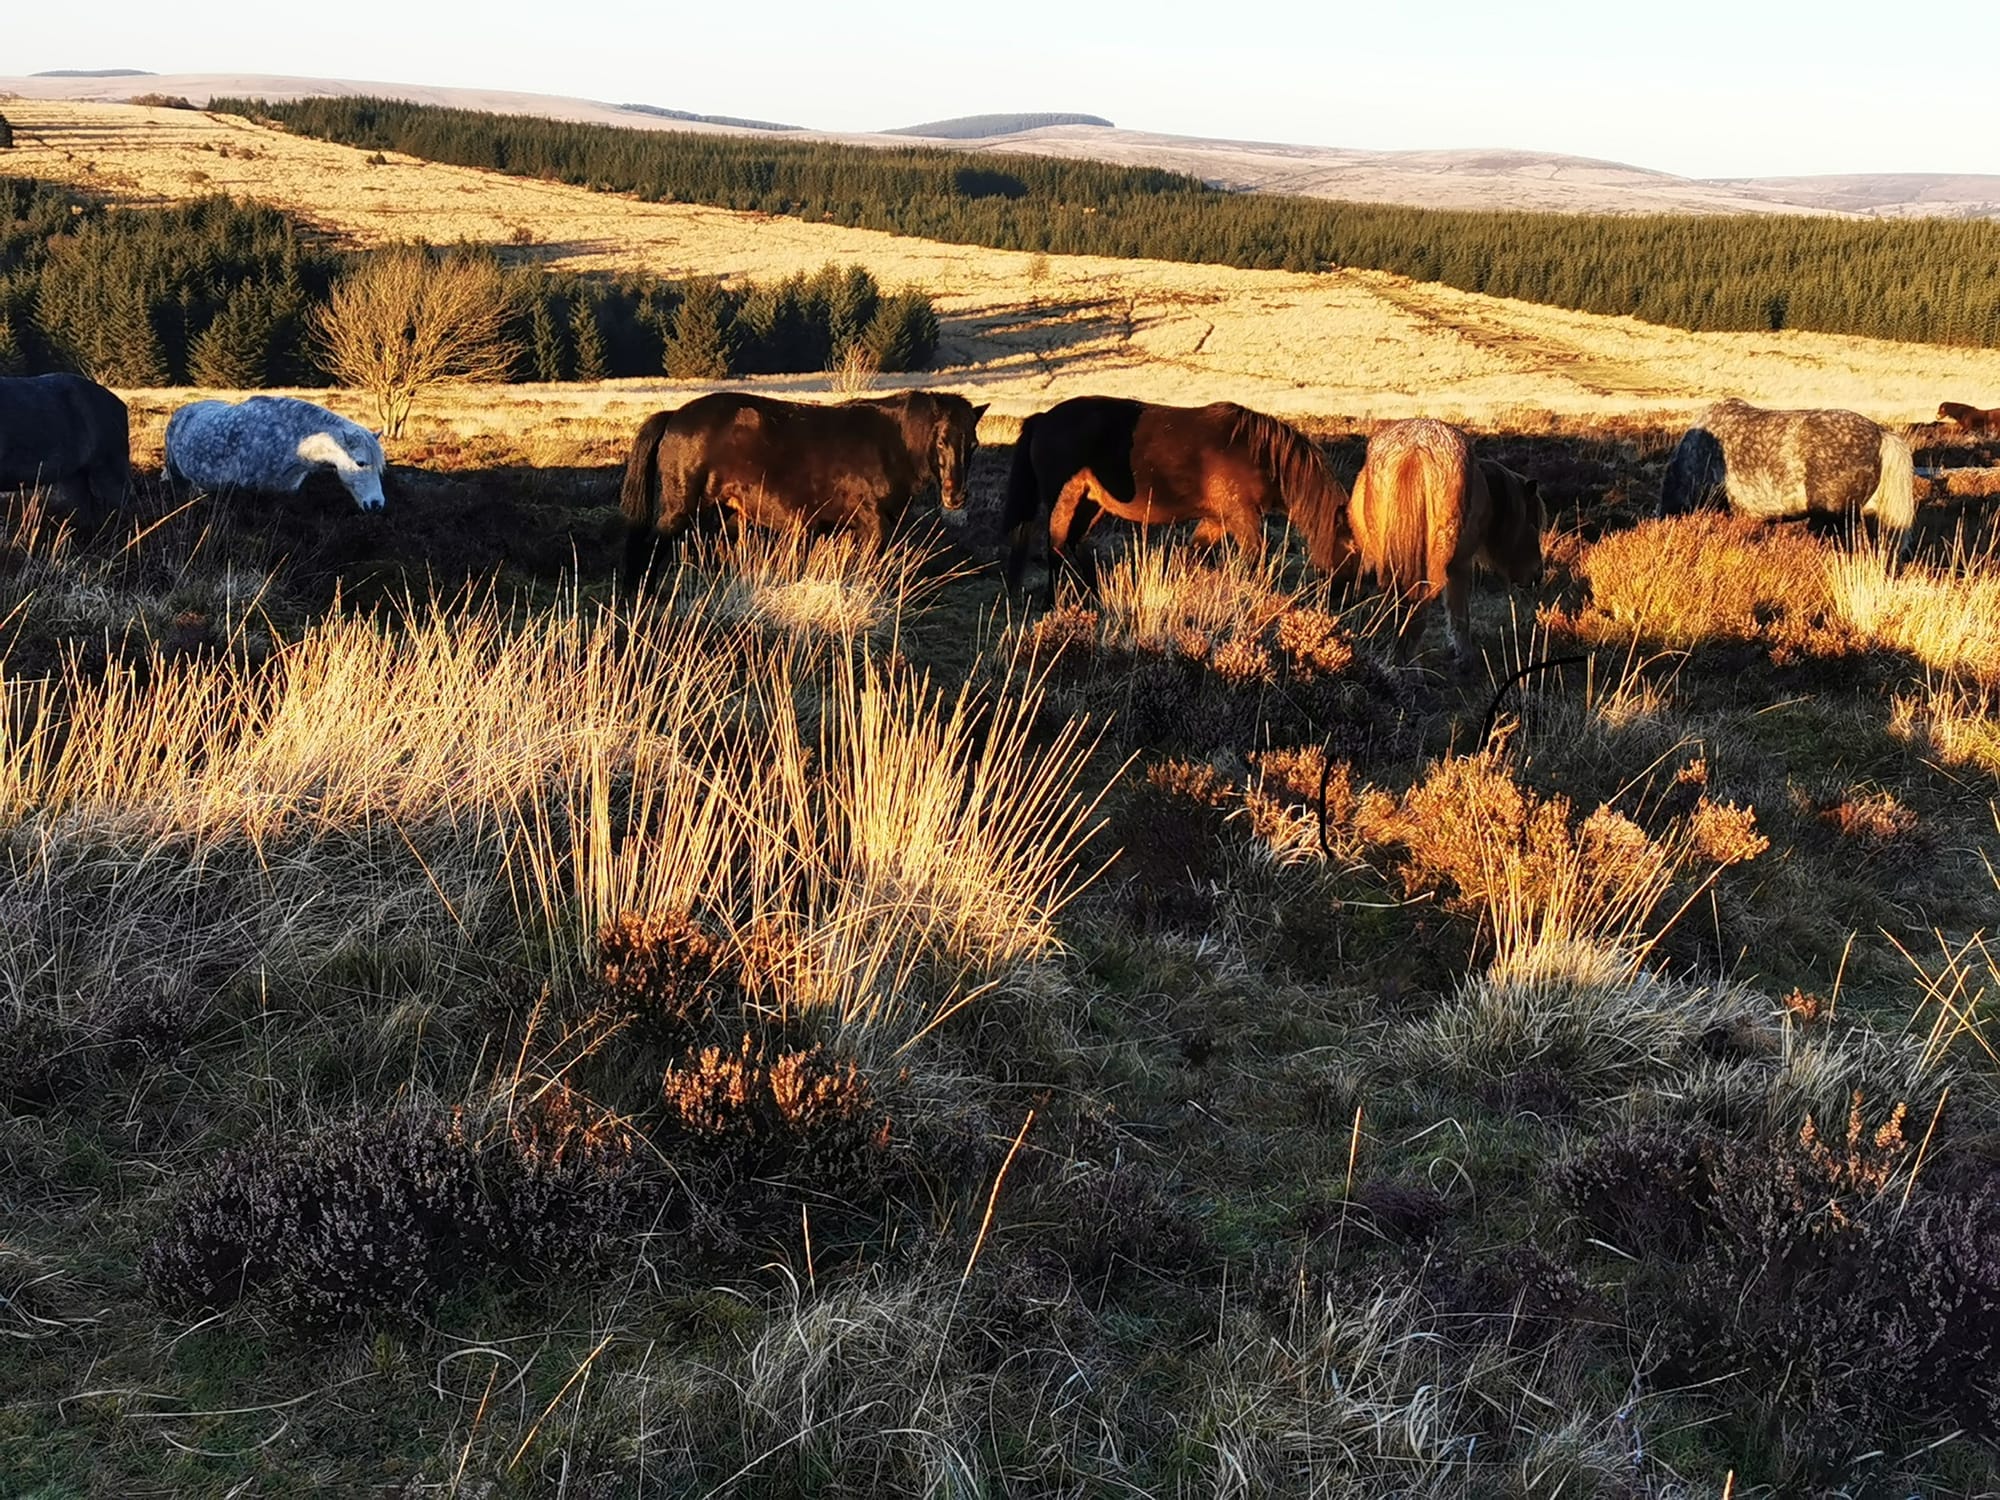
1315	501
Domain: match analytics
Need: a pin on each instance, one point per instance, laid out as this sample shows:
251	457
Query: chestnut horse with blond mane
1222	465
1424	513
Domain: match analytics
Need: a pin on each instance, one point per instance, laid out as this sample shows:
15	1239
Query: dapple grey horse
270	444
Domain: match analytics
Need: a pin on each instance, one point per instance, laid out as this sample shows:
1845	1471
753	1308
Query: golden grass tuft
1942	613
1688	580
1951	723
827	586
1555	894
892	849
1160	598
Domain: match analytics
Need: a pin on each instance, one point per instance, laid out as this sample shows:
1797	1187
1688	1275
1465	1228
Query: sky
1705	88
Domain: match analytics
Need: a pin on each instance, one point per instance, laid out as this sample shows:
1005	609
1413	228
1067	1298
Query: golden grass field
1024	331
824	1028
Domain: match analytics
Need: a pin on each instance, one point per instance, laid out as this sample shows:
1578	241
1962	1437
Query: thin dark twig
1499	697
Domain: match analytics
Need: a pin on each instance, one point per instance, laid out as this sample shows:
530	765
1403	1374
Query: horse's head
355	454
1514	540
1696	472
955	439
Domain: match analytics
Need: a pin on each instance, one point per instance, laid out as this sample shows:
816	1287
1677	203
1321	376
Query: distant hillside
660	113
94	73
1482	178
979	127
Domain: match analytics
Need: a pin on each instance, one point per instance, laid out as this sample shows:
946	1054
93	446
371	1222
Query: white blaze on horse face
360	472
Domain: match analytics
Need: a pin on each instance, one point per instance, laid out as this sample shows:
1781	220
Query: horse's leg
869	529
1458	616
1246	529
1209	532
80	496
1070	520
1410	634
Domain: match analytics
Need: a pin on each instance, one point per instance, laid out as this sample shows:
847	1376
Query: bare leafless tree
409	319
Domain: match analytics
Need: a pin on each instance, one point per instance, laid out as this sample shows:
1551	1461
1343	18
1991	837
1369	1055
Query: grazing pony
1776	465
1424	513
774	463
65	431
1222	465
1971	418
270	444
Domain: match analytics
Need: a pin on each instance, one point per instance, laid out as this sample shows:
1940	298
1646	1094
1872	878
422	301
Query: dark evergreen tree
852	302
699	346
548	357
904	333
592	361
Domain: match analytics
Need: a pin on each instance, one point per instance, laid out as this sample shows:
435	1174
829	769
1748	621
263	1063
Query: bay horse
1779	465
1222	465
773	463
68	433
1424	514
270	445
1971	418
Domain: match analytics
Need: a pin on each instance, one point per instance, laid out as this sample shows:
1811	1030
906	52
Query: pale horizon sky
1705	88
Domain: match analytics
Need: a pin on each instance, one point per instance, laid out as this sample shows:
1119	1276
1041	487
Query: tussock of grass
1157	598
1556	895
1941	613
1691	580
1958	726
793	581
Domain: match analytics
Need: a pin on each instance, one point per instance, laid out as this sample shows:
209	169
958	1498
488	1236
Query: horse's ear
978	412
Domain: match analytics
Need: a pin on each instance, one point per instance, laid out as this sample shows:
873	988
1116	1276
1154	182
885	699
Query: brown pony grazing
1222	465
1971	418
772	463
1424	513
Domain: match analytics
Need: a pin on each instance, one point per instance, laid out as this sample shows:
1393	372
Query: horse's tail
1406	530
1894	503
639	496
1017	516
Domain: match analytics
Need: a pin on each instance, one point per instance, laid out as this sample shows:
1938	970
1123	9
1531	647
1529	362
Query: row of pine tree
1928	280
217	293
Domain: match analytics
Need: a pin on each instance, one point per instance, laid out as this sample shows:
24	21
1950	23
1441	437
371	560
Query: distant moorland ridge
1918	280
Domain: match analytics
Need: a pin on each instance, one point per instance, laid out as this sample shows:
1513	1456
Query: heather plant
753	1117
1850	1298
385	1213
667	976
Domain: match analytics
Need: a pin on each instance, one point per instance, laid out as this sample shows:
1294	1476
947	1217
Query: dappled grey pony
1780	464
270	444
69	434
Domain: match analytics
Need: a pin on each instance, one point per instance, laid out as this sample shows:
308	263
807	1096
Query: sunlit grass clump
1944	613
816	585
882	849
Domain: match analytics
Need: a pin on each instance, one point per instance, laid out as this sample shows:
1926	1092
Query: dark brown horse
67	433
761	461
1222	465
1971	418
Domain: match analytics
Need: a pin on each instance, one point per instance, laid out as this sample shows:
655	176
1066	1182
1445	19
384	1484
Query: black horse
1222	465
772	463
68	433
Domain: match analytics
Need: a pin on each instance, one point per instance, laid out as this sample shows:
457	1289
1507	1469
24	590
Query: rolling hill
1021	329
1478	178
